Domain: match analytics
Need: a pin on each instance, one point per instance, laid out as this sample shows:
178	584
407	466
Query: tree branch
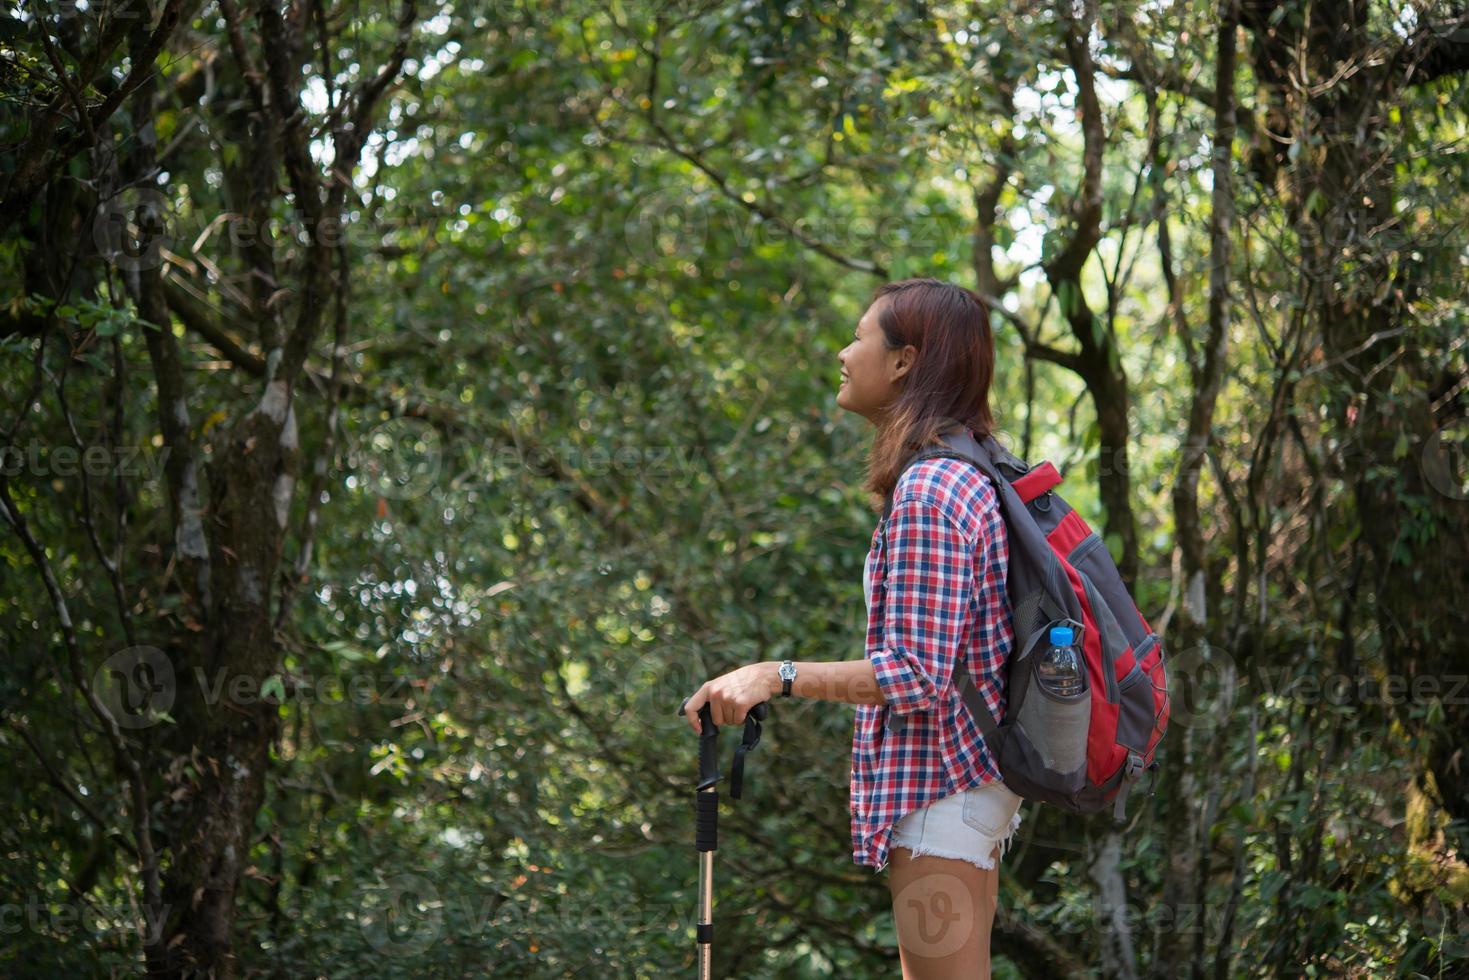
669	142
1086	208
196	315
36	168
1434	51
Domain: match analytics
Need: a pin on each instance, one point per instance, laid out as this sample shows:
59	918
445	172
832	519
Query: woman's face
869	370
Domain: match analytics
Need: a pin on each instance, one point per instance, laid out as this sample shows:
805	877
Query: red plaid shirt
937	590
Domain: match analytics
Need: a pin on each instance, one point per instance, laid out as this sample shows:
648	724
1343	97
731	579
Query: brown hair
948	385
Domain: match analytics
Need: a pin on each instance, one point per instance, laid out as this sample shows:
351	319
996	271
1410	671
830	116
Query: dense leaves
568	447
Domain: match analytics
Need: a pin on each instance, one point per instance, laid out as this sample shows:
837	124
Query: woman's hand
731	696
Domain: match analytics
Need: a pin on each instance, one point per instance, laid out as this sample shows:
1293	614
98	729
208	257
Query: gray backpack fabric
1084	752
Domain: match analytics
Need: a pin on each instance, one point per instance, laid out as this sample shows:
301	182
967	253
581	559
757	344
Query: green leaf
347	650
273	686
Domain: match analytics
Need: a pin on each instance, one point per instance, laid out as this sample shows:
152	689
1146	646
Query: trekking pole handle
706	717
709	739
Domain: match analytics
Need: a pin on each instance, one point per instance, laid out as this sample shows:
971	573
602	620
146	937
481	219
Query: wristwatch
787	674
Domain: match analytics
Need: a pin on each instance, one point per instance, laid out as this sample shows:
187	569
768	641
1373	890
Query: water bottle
1060	666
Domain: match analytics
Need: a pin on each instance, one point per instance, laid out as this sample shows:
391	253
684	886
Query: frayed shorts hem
956	827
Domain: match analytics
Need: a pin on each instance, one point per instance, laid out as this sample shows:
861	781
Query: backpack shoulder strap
987	455
1032	571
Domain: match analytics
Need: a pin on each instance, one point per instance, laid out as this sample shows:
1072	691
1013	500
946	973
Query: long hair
948	385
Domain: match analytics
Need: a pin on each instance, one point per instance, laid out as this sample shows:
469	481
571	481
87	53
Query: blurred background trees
406	405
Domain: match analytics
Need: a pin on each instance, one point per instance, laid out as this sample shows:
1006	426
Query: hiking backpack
1085	751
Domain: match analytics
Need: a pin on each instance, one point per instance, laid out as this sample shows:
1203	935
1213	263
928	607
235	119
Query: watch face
787	672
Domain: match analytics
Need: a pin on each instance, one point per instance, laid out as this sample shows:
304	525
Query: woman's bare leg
944	910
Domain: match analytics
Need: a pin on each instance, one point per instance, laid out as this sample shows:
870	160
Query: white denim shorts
966	825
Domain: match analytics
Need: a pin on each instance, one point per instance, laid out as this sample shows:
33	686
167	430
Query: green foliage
591	458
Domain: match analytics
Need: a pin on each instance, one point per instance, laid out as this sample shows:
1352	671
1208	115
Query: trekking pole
706	826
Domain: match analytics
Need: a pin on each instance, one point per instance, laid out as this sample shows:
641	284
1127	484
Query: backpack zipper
1083	549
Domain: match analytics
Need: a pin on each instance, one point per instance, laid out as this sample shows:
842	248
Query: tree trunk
1186	829
1386	402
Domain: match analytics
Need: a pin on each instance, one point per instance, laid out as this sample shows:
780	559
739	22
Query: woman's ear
902	361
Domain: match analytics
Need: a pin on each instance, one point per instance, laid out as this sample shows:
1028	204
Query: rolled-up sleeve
930	570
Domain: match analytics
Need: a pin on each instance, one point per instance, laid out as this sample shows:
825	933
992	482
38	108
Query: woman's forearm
849	681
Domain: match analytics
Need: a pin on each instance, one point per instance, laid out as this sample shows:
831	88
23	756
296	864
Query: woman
927	795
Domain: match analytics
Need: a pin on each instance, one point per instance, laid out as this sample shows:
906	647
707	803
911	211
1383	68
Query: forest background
406	405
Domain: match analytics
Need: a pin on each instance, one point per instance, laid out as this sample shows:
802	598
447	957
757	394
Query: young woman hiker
927	801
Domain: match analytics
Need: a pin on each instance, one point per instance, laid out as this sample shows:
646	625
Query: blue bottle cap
1062	636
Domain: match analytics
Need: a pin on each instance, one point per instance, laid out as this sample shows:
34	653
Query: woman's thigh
944	901
944	909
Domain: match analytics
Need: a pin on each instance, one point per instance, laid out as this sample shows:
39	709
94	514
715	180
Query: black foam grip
708	748
751	739
704	932
706	833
